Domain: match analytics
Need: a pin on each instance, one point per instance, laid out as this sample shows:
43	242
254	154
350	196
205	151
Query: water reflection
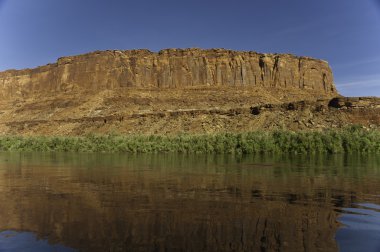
27	242
184	203
361	230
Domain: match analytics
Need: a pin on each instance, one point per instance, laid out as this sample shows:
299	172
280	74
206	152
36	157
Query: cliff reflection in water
183	203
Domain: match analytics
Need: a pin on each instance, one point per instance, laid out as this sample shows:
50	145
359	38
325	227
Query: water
88	202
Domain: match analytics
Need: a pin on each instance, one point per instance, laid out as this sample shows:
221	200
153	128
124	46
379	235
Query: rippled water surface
89	202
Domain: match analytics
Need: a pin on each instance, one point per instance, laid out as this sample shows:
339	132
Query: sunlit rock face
172	91
169	68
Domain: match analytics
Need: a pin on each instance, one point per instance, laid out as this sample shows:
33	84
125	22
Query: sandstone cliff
175	91
170	68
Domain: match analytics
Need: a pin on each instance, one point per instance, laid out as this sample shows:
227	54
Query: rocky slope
173	91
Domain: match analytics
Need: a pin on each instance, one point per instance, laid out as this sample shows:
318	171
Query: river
171	202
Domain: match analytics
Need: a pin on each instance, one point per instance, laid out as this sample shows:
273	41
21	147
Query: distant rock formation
169	68
176	91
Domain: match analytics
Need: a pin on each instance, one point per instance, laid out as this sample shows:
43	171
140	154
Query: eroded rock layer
170	68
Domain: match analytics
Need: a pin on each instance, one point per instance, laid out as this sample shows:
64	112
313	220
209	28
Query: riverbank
348	140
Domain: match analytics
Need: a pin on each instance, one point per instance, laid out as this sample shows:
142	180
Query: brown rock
169	68
354	102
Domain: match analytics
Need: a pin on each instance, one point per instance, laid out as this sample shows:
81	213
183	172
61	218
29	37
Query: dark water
66	202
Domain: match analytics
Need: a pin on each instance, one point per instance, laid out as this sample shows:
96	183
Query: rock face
170	68
355	102
175	91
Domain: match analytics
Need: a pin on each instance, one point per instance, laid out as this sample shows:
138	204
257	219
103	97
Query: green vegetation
350	140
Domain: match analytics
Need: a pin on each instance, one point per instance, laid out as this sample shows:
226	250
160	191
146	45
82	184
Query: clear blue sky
346	33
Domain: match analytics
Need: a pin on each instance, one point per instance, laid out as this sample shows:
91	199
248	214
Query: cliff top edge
169	51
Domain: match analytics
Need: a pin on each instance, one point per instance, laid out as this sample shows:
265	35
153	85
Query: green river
171	202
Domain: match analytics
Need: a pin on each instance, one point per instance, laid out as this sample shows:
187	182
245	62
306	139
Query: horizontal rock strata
170	68
298	115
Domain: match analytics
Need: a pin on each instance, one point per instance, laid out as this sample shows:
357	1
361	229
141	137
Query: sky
346	33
